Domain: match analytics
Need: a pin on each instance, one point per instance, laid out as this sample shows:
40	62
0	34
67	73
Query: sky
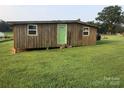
50	12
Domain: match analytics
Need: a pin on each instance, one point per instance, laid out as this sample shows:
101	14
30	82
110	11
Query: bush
98	37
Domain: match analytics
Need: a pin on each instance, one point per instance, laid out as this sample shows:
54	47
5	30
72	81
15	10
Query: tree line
4	26
110	20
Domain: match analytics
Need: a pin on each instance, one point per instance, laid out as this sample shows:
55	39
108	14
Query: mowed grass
101	65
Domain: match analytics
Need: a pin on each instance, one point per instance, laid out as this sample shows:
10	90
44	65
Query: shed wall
47	36
91	39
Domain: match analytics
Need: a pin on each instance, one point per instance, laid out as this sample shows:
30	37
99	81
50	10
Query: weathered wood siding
91	39
74	35
47	36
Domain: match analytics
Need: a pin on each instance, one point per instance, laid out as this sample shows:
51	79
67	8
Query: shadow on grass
6	40
105	42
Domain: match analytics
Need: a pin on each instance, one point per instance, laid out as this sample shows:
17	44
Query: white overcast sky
50	12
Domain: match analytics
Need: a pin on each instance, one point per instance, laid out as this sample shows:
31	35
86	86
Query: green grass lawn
101	65
8	34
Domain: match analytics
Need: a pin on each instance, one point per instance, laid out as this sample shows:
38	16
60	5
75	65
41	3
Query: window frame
86	31
28	30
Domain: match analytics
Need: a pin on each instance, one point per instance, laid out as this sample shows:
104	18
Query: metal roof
47	22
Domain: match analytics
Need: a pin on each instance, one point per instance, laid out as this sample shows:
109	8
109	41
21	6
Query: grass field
101	65
8	34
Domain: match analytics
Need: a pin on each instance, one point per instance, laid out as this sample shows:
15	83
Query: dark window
32	26
32	30
85	33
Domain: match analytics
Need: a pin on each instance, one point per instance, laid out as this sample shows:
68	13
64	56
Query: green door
61	33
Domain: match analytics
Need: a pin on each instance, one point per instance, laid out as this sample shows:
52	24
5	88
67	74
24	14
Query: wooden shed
48	34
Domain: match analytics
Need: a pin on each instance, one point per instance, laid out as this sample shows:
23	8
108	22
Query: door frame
58	34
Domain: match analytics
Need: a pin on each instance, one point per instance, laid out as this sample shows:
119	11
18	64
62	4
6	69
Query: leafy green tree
102	28
4	27
118	28
111	16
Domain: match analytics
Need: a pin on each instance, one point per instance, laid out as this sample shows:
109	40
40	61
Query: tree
118	28
4	27
111	16
101	27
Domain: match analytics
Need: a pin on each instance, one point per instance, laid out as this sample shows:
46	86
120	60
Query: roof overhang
50	22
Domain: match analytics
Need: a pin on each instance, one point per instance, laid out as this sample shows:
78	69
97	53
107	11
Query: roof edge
52	21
